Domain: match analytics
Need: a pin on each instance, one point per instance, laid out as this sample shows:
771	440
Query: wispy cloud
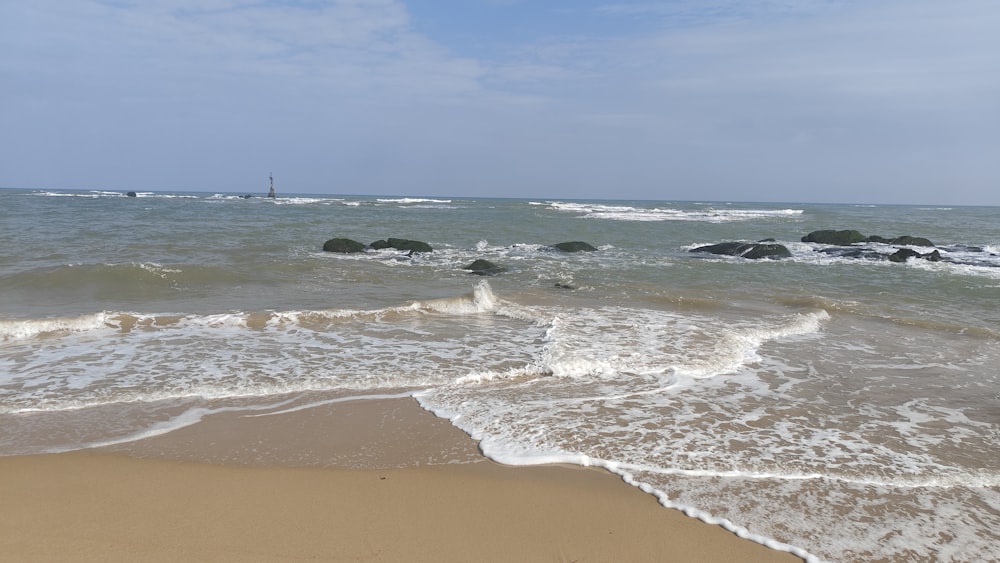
705	12
768	95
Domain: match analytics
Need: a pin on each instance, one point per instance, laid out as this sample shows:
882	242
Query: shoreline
406	488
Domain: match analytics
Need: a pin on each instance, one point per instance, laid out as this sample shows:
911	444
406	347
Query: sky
840	101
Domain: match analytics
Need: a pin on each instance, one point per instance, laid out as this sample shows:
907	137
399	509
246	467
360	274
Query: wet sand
288	487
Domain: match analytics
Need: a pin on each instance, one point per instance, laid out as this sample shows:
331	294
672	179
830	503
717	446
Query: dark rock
750	250
343	245
767	240
563	286
852	252
847	238
484	268
411	245
131	194
726	248
772	251
902	255
574	246
912	241
247	196
839	238
402	244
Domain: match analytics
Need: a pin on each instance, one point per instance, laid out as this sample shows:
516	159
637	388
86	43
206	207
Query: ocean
833	403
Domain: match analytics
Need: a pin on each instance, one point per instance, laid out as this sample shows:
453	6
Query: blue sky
875	101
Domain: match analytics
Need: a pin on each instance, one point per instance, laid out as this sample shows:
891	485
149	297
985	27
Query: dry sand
407	505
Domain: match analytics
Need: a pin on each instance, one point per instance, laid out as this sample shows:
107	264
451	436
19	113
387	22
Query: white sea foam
509	453
481	300
991	271
682	438
123	358
480	377
610	341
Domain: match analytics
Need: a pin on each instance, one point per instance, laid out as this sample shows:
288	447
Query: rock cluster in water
849	237
349	246
478	267
751	250
839	243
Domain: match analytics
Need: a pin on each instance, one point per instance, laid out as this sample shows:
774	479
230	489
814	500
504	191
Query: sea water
839	407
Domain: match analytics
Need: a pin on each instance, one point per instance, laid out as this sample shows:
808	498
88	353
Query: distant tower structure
271	193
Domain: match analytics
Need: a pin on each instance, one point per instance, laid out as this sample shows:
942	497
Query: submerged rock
852	252
343	245
839	238
726	248
484	268
750	250
574	246
845	239
769	250
849	237
904	254
402	244
911	241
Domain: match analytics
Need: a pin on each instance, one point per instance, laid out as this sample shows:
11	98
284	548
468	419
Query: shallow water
837	407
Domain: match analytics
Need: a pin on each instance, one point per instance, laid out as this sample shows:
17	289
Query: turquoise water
841	408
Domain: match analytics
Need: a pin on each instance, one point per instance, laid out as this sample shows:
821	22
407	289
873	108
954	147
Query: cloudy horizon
774	100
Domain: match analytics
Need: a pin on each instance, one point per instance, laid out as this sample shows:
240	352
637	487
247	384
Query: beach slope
87	506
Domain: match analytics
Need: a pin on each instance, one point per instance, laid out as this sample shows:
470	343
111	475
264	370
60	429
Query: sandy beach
407	504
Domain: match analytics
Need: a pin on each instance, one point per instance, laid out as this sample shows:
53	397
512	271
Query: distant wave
629	213
288	200
410	200
93	194
88	194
